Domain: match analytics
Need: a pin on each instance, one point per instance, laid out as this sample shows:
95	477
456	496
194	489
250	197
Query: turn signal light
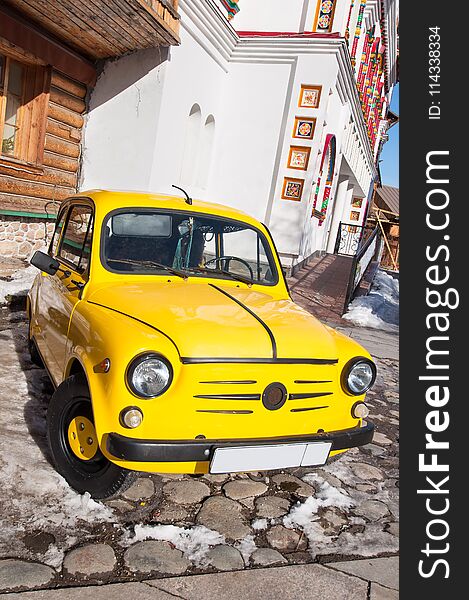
131	417
360	410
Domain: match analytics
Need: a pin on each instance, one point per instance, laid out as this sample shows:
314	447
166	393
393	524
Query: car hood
221	321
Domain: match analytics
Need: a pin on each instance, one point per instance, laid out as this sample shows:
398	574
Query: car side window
75	247
58	230
249	255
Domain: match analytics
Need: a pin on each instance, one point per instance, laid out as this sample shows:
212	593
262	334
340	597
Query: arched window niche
206	150
191	142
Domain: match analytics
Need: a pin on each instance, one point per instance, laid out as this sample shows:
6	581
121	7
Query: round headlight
358	376
149	375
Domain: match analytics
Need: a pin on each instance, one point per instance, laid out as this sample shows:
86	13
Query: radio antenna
188	198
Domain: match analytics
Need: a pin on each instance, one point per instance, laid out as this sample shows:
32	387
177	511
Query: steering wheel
228	259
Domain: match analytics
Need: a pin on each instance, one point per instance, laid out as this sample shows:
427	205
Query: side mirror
44	262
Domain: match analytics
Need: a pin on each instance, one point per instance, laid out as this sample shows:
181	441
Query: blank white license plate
269	457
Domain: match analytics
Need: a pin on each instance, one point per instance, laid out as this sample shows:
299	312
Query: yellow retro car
168	331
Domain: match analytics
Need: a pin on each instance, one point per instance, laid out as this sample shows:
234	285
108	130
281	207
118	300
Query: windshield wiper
150	263
222	271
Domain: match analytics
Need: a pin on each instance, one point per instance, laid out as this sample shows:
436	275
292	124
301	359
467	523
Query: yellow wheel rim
82	438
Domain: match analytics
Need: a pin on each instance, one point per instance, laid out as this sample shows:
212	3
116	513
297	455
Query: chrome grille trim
312	381
227	412
229	396
240	382
306	409
308	395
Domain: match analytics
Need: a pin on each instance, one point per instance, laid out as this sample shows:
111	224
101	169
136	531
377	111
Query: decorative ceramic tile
354	215
292	188
325	16
304	128
357	202
298	157
310	96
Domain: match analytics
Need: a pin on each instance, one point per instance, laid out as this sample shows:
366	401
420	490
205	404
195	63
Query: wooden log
62	147
62	163
44	175
63	131
12	185
67	100
64	115
25	204
66	84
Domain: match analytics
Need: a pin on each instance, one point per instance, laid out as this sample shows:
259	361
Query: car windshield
147	241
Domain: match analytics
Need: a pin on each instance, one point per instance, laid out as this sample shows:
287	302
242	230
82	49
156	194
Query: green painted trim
19	213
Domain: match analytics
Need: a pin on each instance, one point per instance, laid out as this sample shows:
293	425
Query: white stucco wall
271	15
192	77
121	126
250	126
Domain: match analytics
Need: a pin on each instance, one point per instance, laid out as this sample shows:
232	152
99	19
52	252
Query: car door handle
80	285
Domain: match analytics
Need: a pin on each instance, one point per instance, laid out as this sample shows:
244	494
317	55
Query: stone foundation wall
21	236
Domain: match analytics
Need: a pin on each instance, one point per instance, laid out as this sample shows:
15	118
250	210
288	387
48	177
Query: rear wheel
74	445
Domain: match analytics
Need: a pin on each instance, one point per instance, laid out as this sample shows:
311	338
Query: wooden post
386	242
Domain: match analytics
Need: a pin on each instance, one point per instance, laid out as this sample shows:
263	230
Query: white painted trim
372	12
280	142
391	9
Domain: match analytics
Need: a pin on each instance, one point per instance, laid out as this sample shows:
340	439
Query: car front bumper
163	451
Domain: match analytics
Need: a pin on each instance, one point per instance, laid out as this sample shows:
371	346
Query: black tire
98	476
34	353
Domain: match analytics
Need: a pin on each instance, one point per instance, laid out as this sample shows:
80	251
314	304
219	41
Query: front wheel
74	445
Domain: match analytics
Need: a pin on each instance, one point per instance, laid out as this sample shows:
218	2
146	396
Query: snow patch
19	284
53	557
194	542
372	541
259	524
380	308
246	546
304	515
328	495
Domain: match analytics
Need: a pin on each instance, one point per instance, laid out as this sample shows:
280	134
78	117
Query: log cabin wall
29	194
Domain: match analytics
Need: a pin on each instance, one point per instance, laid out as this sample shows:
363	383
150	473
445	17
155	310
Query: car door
59	293
40	315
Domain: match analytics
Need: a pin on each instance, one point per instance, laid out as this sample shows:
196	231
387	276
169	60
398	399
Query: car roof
108	200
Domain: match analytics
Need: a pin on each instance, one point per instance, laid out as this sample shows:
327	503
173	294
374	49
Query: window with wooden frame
24	96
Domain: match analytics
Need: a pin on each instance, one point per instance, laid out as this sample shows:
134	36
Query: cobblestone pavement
171	524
